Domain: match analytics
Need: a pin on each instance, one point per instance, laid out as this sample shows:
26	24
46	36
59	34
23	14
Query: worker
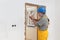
42	23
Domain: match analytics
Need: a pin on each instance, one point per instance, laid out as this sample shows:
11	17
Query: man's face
39	15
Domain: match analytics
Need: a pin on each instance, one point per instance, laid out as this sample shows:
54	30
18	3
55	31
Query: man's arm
42	24
33	19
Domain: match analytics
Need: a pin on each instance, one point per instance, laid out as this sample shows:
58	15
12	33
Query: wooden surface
30	32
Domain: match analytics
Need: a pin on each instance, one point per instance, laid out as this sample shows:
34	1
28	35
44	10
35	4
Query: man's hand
31	17
34	22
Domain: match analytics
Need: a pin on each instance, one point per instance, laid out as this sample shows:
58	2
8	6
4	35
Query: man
42	23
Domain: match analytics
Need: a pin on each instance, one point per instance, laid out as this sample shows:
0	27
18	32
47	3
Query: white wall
57	10
12	12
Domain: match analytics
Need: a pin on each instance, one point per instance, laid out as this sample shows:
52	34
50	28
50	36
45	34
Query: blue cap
41	9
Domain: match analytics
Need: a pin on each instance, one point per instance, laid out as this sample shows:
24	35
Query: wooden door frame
30	4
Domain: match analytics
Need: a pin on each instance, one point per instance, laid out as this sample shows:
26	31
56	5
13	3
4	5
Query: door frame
30	4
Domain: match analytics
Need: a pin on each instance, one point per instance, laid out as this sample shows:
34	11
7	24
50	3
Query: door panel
30	28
